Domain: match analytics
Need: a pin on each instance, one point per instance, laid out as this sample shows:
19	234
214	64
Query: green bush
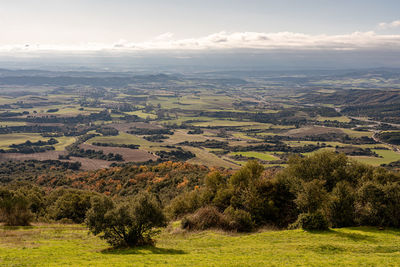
130	223
185	203
239	220
312	196
14	208
69	204
312	221
342	205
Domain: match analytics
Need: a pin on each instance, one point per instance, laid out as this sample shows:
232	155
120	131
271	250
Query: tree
130	223
341	207
70	204
14	208
312	200
312	196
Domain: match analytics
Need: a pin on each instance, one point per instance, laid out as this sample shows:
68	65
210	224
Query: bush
205	218
312	221
379	204
14	208
130	223
72	205
341	207
185	203
312	196
240	220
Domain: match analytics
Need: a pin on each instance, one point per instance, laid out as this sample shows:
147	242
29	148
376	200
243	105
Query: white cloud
389	25
235	40
164	36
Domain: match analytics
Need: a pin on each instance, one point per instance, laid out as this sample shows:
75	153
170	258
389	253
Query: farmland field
209	117
257	155
9	139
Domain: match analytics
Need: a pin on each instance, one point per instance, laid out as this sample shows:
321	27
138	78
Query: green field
339	119
142	114
257	155
225	123
356	134
388	156
124	138
62	245
64	141
18	138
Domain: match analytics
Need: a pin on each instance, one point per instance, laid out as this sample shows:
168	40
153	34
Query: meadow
60	245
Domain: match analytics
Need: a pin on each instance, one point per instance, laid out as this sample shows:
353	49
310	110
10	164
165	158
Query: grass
339	119
241	135
388	156
258	155
226	123
18	138
12	123
204	157
64	141
124	138
70	245
356	134
142	114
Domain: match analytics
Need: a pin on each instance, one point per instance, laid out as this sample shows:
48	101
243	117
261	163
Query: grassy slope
56	245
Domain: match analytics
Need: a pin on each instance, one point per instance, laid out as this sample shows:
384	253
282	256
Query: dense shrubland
314	193
317	192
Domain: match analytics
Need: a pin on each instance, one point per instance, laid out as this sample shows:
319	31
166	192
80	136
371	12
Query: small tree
342	205
70	204
312	200
14	208
130	223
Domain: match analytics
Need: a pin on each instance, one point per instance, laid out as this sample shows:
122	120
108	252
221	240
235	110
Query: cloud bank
235	40
389	25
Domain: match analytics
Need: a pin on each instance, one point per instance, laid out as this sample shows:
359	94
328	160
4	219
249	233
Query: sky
193	24
103	27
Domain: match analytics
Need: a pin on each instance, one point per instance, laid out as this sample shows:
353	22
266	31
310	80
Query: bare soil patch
314	130
38	156
124	127
129	155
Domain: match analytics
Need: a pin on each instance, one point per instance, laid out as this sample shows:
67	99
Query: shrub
205	218
312	221
14	208
341	207
185	203
69	204
240	220
130	223
379	204
312	196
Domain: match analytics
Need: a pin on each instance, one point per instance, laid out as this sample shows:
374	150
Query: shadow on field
143	250
352	236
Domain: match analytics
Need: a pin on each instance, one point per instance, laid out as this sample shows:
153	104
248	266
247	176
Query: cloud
389	25
164	36
231	40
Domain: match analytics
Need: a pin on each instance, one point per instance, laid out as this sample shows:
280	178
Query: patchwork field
230	112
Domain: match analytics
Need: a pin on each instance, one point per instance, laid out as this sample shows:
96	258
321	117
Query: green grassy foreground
60	245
